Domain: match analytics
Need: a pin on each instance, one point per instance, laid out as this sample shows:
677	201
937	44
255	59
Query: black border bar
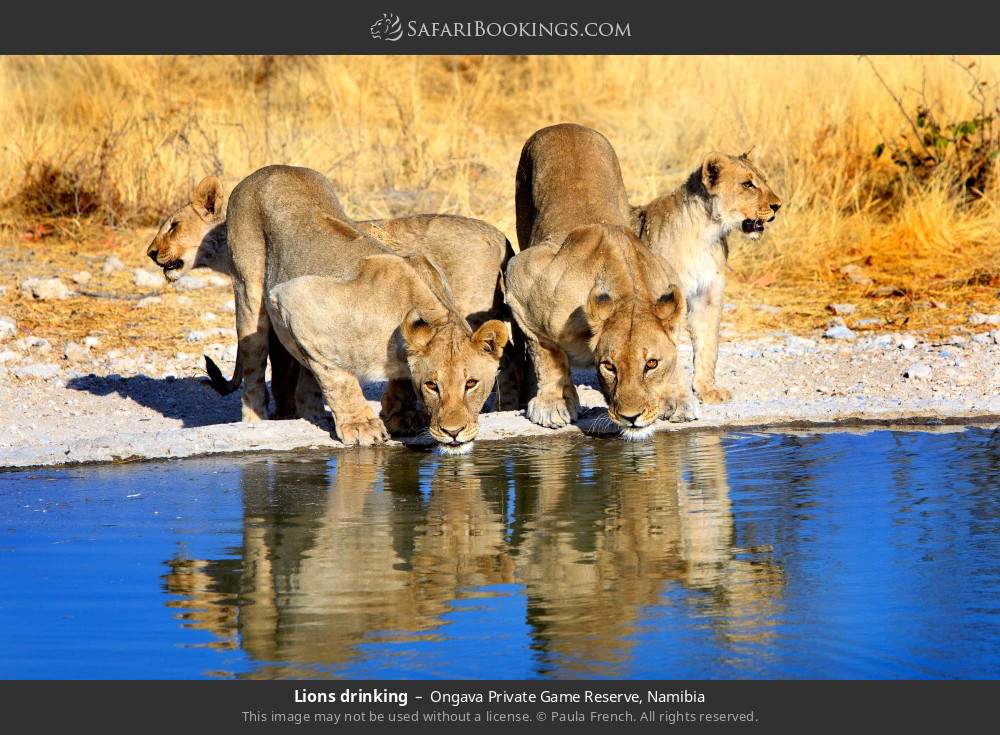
664	27
762	706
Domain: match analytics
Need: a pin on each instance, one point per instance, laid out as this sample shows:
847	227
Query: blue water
702	555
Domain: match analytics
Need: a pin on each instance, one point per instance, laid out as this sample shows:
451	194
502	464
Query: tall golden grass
127	137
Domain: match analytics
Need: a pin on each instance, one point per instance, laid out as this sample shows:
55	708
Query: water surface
695	555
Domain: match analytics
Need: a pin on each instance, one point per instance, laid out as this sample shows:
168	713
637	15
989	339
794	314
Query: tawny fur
348	308
689	228
471	253
586	292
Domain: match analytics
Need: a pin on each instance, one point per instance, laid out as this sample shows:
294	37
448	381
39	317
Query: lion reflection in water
334	558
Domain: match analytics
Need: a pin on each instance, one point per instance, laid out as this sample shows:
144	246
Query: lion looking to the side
689	228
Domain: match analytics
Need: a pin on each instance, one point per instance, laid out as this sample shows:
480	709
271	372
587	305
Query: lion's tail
222	386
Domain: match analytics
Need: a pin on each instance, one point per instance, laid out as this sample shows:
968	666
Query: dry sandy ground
129	404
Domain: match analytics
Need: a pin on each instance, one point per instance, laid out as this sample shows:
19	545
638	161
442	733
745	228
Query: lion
586	292
471	253
689	227
350	309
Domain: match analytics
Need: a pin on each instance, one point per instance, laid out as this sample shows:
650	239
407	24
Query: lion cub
586	291
349	308
689	227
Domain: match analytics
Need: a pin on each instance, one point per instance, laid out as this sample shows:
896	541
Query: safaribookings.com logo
390	28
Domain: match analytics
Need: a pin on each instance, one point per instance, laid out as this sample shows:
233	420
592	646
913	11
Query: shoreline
154	410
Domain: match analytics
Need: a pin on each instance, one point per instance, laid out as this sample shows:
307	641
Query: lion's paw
552	414
714	395
685	410
362	433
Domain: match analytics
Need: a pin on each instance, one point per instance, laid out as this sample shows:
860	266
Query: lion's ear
342	228
600	305
208	198
711	169
669	308
491	338
417	332
746	154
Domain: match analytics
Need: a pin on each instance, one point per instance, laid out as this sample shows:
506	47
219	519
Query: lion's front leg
400	412
354	421
703	319
511	375
684	405
301	309
308	397
556	403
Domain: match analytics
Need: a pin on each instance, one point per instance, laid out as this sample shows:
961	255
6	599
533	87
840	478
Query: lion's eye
651	364
748	184
431	386
606	364
471	383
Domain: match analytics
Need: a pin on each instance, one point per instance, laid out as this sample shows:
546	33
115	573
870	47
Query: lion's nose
453	433
629	419
775	207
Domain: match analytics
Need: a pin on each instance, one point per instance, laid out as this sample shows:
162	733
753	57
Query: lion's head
634	341
180	241
739	194
453	371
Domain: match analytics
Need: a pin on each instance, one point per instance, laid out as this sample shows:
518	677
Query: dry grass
118	141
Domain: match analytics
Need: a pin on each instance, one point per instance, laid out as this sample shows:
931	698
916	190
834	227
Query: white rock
183	301
33	343
217	280
841	309
209	317
80	277
91	340
200	335
9	356
75	352
976	318
983	338
839	332
918	371
111	264
147	279
190	283
45	288
766	309
883	341
37	370
147	301
8	327
872	321
229	307
907	342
